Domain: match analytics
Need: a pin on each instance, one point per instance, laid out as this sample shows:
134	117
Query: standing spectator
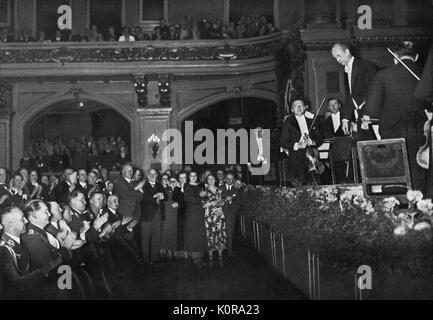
230	195
129	196
169	225
195	230
251	28
126	35
152	215
178	197
215	220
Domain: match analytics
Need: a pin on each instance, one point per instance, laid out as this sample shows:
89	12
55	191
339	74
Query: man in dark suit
82	182
330	122
129	193
66	186
296	135
359	75
152	215
231	205
17	195
17	280
391	99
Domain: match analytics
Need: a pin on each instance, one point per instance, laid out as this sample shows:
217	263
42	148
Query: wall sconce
154	144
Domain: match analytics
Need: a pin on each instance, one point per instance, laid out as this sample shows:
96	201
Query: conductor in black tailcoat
359	75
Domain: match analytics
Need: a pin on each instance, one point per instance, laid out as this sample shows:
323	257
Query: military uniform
42	253
16	279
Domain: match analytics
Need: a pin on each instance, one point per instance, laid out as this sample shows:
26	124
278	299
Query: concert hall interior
333	94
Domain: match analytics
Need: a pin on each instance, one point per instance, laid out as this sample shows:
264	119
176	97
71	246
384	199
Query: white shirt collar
55	224
128	180
16	239
113	211
83	184
348	68
335	120
302	124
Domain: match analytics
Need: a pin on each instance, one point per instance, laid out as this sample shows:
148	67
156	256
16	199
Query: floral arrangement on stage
348	230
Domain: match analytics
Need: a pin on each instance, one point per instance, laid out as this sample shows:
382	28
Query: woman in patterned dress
214	220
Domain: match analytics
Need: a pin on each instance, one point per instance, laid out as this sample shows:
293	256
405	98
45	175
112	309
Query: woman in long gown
169	225
214	220
195	231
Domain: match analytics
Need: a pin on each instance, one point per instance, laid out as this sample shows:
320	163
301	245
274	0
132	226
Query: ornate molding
140	86
33	53
5	97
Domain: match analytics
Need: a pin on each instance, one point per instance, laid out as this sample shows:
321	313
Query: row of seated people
47	154
245	27
86	229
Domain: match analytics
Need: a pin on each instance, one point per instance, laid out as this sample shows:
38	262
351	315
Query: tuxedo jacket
391	98
230	208
35	240
129	199
78	222
291	133
85	190
363	73
149	205
16	279
424	89
327	128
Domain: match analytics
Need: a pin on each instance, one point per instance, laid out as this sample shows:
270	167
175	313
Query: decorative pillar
5	121
152	121
400	12
277	13
226	12
351	13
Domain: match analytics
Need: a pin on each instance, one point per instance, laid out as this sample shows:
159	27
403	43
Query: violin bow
316	115
404	65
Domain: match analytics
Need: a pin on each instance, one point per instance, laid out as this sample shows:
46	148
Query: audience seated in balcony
126	35
46	155
244	27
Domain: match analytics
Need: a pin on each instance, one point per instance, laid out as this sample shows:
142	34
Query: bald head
341	53
13	221
127	171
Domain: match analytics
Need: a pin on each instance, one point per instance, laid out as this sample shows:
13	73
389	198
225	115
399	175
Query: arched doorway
235	113
80	127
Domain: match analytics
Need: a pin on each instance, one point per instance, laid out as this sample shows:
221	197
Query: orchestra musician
359	74
297	135
391	99
424	92
331	127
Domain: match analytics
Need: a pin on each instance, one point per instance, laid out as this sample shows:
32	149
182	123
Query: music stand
384	168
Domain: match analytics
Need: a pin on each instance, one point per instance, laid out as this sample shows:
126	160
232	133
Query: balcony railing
190	50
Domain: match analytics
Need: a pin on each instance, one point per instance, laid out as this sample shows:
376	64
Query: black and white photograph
216	154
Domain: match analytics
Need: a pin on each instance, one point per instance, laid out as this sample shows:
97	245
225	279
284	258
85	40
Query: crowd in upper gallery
188	29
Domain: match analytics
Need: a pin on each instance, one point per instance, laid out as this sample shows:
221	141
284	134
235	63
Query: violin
312	156
423	154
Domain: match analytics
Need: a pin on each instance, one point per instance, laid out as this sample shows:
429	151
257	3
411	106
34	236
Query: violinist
296	138
391	100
